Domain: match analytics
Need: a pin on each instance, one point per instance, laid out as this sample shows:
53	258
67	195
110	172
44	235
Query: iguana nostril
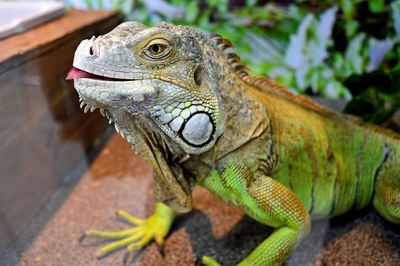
91	51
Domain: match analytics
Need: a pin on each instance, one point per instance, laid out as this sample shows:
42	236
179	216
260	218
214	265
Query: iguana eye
157	49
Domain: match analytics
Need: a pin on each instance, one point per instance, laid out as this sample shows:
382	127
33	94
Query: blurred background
347	49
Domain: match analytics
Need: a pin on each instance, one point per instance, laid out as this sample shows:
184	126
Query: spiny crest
270	86
267	85
233	59
384	131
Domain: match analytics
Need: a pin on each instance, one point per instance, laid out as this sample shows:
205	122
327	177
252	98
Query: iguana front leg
145	230
269	202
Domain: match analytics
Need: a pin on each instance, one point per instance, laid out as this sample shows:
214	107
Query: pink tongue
75	73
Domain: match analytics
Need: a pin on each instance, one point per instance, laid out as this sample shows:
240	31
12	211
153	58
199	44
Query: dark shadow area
231	248
313	250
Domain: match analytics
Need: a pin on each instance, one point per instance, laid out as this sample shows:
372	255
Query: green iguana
190	108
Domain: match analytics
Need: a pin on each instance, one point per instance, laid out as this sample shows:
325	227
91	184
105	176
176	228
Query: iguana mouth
76	73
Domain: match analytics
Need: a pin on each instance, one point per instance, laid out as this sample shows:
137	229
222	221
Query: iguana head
157	72
161	87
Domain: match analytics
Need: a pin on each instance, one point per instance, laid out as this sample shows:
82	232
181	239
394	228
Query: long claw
129	218
130	256
125	261
161	250
139	244
82	237
116	245
110	234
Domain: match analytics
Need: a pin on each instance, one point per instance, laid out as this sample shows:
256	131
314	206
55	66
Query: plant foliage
348	49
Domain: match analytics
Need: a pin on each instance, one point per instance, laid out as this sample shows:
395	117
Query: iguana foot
145	230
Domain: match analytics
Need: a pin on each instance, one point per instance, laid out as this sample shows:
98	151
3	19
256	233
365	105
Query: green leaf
334	89
192	11
351	28
221	5
347	7
376	6
354	60
204	19
338	62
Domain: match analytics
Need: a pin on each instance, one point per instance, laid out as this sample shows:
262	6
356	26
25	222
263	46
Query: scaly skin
191	109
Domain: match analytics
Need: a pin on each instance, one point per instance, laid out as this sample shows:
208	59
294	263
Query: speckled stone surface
119	180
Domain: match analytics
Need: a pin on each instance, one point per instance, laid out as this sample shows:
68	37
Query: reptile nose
91	44
88	49
91	50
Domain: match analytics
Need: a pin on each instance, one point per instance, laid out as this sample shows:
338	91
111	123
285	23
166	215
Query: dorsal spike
243	75
215	35
232	56
239	67
270	86
217	39
233	59
227	42
224	46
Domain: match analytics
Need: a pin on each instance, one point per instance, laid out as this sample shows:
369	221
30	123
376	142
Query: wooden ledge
17	49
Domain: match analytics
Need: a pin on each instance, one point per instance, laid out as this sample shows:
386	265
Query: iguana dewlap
195	114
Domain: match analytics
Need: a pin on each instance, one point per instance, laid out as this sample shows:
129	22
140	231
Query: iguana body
192	110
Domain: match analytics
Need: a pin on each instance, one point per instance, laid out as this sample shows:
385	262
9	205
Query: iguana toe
208	261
